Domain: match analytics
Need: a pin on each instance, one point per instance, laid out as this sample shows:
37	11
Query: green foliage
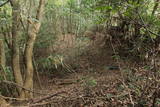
158	101
44	62
102	8
116	57
89	81
5	15
56	60
8	74
51	62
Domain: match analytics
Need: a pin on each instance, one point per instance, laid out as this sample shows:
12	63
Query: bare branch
15	84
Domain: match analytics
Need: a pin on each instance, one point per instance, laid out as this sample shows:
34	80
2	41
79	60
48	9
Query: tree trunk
15	45
32	33
2	60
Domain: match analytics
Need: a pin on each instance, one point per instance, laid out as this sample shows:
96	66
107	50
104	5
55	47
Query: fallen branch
40	104
46	97
9	82
129	93
12	98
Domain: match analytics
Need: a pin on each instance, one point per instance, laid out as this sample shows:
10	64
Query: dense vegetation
108	50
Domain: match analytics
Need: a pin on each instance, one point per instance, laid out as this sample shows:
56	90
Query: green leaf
158	101
153	36
109	96
103	8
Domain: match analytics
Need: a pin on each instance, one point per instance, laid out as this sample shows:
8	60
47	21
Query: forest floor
91	85
98	81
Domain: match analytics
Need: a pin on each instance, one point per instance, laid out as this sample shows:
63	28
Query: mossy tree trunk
15	45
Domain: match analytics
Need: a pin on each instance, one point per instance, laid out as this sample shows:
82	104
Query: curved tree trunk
28	61
32	33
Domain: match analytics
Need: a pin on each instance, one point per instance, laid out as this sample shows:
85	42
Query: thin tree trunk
32	34
2	60
15	46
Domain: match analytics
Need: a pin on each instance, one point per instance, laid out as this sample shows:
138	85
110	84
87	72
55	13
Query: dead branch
37	100
9	82
129	93
40	104
11	98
